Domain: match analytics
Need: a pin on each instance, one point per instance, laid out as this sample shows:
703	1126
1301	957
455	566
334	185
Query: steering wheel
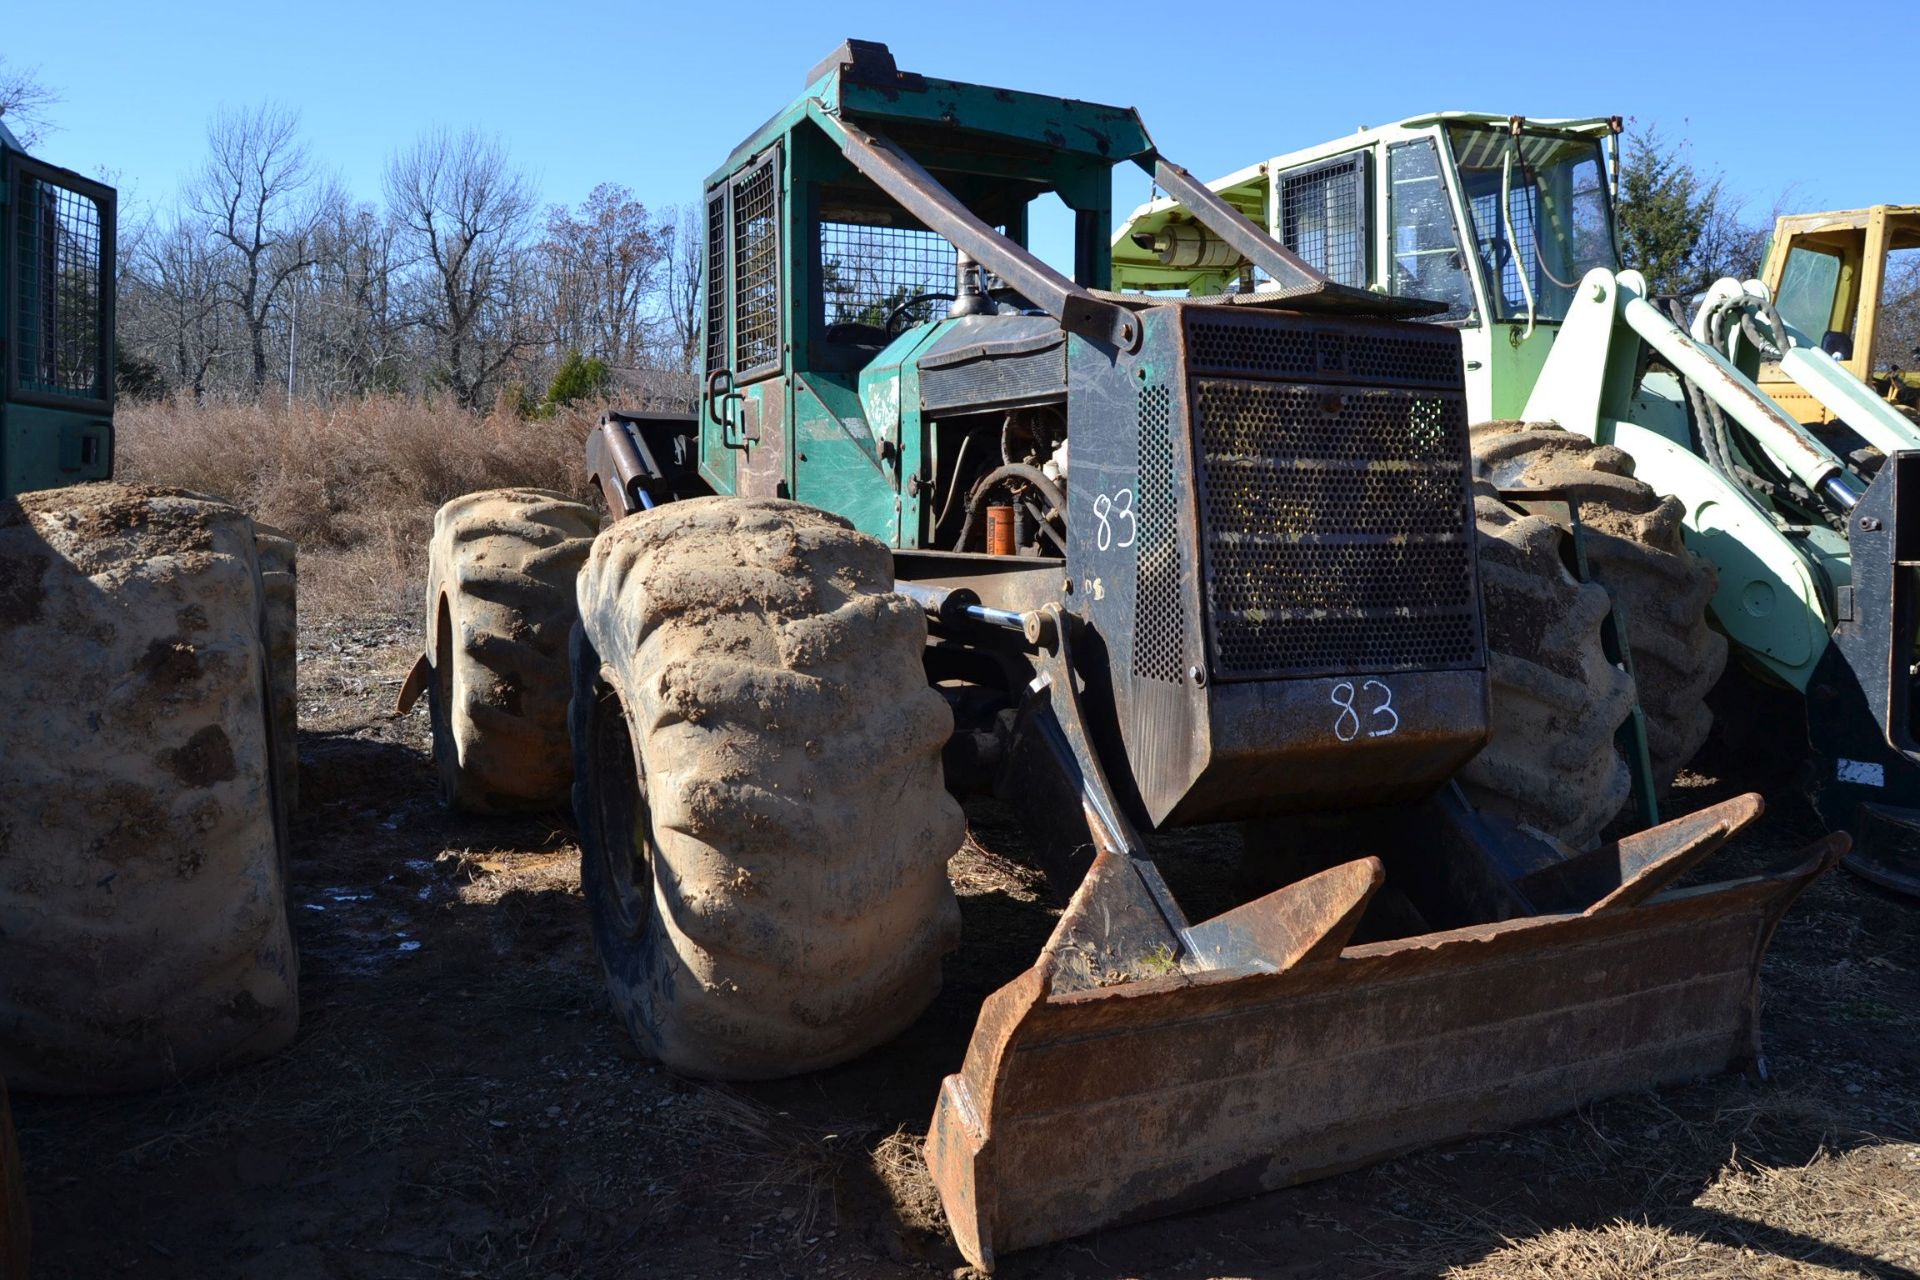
904	311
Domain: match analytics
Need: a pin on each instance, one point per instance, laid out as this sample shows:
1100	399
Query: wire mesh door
59	240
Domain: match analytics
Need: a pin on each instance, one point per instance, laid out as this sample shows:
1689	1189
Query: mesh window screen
1323	218
866	272
1493	243
58	291
756	268
717	279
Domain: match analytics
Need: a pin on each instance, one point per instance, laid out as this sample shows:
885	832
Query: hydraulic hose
977	500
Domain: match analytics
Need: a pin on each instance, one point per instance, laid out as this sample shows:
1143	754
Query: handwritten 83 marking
1347	725
1114	513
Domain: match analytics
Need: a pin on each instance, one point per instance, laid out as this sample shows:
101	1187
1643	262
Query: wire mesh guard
756	264
867	273
58	291
1322	219
716	280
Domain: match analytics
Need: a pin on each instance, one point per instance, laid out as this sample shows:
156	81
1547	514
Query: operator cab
879	338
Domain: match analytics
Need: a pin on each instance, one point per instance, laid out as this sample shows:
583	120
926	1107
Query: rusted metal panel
1225	1081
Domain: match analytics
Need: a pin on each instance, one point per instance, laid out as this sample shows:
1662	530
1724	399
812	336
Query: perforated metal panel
1256	346
1159	608
1335	525
756	266
58	291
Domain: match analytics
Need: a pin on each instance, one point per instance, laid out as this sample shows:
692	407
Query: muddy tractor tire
1636	550
143	924
1550	762
764	828
500	605
279	578
14	1229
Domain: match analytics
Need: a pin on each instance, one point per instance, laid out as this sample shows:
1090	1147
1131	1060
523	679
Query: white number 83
1382	721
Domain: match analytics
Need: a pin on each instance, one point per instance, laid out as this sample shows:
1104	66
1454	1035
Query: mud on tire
500	605
1636	550
1550	762
764	828
143	927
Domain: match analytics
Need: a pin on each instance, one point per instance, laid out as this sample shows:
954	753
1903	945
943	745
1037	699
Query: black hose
977	499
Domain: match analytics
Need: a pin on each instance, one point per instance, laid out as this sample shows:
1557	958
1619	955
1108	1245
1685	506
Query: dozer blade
1143	1066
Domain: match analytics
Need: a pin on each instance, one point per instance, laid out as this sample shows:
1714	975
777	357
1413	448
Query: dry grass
1845	1214
355	483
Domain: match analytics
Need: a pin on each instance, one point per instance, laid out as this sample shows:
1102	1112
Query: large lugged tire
279	576
1637	551
1550	763
500	605
763	826
143	924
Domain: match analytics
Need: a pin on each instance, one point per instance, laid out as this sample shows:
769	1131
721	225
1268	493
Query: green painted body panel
1503	364
836	461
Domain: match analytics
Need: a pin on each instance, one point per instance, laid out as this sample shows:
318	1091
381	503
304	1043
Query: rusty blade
1302	922
1076	1109
1627	872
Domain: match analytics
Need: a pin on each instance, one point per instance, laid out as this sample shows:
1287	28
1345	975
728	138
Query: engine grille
1159	617
1250	344
1334	519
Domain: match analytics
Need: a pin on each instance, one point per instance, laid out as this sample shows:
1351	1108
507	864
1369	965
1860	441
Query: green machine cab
56	324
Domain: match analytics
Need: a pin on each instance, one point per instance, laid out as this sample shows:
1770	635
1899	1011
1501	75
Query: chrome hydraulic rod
957	604
1849	399
1796	449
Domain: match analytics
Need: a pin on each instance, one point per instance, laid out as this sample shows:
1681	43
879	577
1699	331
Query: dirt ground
460	1103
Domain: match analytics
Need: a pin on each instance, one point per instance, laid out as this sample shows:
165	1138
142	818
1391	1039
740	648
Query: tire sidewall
630	950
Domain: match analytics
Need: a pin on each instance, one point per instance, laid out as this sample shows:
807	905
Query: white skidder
764	828
143	925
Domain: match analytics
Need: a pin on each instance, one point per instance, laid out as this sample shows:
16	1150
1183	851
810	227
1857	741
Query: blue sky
654	95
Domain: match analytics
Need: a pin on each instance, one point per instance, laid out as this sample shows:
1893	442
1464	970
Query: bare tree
171	305
25	101
359	325
685	269
600	266
261	197
464	215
